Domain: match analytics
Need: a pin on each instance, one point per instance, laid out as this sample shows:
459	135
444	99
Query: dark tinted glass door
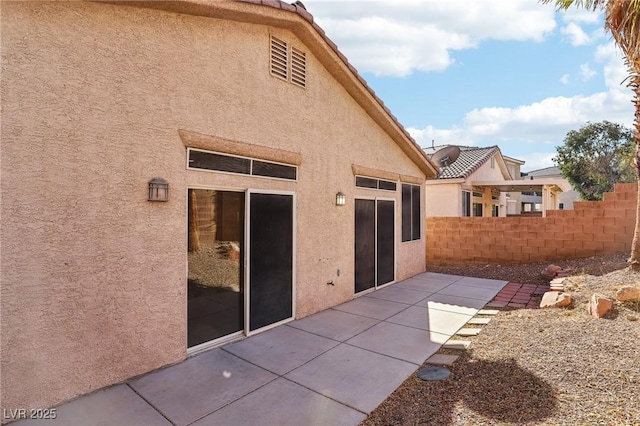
215	282
365	245
270	259
385	256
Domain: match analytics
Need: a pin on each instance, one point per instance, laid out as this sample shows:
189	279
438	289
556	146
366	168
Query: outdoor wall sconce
341	199
158	190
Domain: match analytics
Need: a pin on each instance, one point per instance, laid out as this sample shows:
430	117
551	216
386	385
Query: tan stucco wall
485	172
443	199
93	95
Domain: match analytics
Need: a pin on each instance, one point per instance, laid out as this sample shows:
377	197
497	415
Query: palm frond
585	4
623	21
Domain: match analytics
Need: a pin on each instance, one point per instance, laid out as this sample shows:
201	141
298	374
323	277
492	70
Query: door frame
247	295
375	242
194	350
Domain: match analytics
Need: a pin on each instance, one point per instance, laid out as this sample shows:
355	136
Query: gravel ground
554	366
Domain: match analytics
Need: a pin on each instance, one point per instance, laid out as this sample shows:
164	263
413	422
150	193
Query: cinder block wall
593	227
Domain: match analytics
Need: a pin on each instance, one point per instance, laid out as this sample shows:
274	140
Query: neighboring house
455	192
288	186
513	199
532	201
480	182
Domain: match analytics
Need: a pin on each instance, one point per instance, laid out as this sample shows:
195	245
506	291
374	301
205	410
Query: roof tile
272	3
303	12
287	6
469	160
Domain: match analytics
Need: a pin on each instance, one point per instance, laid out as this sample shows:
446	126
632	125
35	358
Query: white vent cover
279	58
298	67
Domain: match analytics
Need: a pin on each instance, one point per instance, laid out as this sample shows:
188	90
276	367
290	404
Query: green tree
622	20
596	157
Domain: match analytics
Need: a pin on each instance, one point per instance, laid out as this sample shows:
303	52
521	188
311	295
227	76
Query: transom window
372	183
213	161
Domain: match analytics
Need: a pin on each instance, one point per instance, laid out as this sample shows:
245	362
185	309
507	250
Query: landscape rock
599	305
554	299
550	272
628	294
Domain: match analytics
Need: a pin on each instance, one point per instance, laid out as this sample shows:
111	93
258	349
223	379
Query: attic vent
298	67
279	58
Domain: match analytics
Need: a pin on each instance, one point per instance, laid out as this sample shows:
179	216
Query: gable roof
295	18
469	160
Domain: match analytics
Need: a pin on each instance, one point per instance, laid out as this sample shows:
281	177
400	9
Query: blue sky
512	73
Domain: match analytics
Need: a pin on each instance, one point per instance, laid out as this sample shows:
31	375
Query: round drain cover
434	373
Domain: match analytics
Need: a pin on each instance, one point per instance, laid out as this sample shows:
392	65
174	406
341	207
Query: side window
410	212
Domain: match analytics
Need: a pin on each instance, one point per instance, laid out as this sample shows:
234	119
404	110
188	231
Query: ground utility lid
433	373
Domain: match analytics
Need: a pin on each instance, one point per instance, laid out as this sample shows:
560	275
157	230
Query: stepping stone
442	359
468	331
557	281
479	321
457	344
488	312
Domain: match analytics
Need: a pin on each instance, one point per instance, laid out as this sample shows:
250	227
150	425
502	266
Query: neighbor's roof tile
469	160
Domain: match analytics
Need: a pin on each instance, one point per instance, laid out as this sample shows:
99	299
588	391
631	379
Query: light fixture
158	190
341	199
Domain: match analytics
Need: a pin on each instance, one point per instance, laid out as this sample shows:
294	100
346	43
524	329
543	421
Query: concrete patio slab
117	405
420	284
281	349
480	293
284	403
438	277
371	308
333	324
397	341
481	282
352	376
431	319
461	305
333	367
398	294
185	392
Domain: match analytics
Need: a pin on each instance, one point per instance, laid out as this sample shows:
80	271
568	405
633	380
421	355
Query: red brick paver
519	296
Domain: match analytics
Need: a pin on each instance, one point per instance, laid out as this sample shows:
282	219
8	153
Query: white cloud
545	122
586	72
397	38
576	34
564	79
581	15
538	160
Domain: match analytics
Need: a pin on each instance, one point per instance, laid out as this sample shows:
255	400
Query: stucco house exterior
532	201
179	174
479	182
455	192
